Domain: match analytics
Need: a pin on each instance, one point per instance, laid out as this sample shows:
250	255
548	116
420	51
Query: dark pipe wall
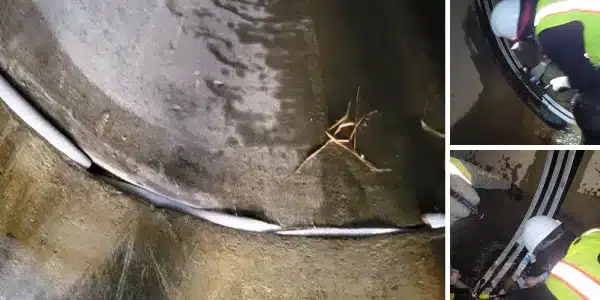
217	102
142	99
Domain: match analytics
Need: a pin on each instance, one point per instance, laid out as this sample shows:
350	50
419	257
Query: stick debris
334	137
428	128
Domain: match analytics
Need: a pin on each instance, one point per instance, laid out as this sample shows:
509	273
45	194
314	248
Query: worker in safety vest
568	32
573	262
464	179
464	199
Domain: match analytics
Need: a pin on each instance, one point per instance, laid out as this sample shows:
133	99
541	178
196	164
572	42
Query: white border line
554	180
560	192
523	147
500	259
447	73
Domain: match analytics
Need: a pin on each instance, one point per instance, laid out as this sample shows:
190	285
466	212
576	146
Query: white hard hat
536	230
505	19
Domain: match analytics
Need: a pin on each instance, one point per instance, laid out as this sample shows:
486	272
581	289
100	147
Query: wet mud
217	102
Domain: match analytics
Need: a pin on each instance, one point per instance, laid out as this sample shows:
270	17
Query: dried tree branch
342	119
353	134
338	126
355	154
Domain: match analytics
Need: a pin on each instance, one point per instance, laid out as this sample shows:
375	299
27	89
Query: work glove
455	280
560	84
531	281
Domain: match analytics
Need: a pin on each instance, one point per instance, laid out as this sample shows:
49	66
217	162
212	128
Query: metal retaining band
559	169
35	120
540	96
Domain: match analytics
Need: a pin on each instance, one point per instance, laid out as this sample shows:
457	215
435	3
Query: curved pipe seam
39	124
253	225
36	121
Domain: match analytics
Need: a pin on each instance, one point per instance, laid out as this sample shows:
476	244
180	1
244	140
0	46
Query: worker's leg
587	115
458	210
463	191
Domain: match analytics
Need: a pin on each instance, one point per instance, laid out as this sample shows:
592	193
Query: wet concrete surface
581	208
485	109
476	243
64	235
217	102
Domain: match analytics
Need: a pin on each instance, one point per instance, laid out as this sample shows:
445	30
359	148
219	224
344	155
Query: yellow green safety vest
551	13
577	275
458	168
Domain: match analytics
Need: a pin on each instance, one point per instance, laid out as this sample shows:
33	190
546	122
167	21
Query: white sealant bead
435	220
334	231
37	122
236	222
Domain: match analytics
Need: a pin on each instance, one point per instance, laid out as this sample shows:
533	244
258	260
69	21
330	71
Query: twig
353	134
342	126
338	126
312	156
431	130
366	162
342	119
426	127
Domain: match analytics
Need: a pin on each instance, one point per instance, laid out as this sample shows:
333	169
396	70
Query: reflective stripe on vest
586	286
564	6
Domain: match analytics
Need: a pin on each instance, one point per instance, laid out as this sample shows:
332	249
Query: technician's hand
535	280
560	83
454	277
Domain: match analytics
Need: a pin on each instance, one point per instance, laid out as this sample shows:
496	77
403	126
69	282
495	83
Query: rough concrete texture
485	109
465	89
217	102
64	235
513	165
580	208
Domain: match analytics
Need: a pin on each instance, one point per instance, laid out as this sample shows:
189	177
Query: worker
464	179
559	27
573	263
464	199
